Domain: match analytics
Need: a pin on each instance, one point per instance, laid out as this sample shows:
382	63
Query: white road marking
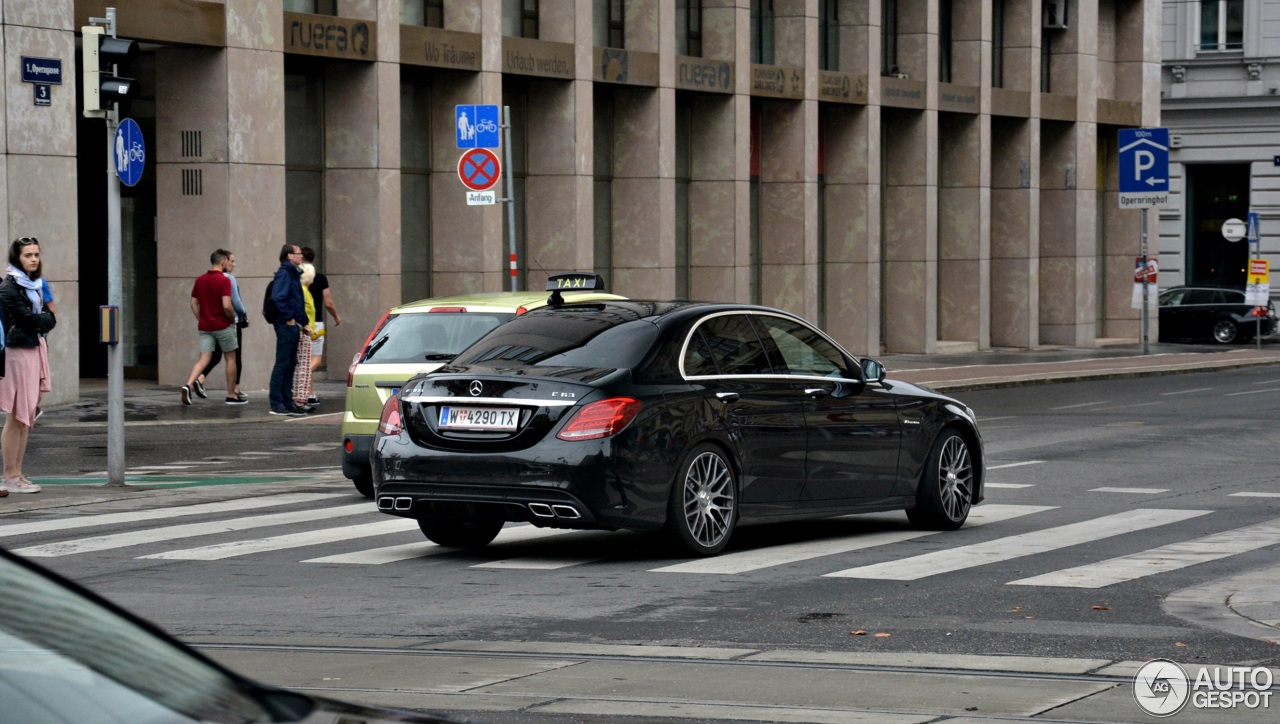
1254	495
292	540
1159	560
89	521
188	530
754	560
1126	407
1252	392
1082	404
1187	392
1014	486
1018	546
391	554
1134	491
1014	465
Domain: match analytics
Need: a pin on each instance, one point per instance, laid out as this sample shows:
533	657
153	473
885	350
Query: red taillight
520	310
390	424
450	310
348	445
351	371
600	419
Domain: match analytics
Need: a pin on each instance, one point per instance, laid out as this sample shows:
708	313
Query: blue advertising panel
131	152
477	126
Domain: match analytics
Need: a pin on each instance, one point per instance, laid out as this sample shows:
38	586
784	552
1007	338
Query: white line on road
1162	559
1187	392
189	530
1254	495
1126	407
1013	486
1014	465
89	521
795	552
1252	392
391	554
1082	404
292	540
1134	491
1017	546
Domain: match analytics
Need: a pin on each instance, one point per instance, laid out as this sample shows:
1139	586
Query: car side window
698	360
1173	298
1233	297
1200	296
803	349
734	345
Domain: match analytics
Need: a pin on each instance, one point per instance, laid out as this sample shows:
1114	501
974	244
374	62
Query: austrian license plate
478	418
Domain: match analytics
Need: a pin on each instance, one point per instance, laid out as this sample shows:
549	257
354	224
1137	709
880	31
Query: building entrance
1216	192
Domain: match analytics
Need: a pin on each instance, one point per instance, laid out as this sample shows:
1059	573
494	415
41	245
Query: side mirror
872	371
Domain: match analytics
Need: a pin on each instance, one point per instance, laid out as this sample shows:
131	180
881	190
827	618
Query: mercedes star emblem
476	388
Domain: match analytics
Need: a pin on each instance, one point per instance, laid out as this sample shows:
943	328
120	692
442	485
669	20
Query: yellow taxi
422	336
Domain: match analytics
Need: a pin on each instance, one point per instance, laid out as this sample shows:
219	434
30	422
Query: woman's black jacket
22	326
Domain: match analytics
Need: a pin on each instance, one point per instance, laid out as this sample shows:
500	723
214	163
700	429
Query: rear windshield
431	336
595	340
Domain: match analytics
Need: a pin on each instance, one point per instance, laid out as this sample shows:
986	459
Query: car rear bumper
355	462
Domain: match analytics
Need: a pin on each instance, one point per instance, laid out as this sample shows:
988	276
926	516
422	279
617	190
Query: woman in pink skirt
26	357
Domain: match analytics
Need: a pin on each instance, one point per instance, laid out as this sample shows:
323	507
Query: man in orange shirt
215	320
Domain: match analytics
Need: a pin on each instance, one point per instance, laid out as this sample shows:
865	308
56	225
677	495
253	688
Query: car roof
496	301
1222	287
658	310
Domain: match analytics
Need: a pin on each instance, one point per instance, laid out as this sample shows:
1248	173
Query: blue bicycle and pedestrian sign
130	152
477	126
1144	167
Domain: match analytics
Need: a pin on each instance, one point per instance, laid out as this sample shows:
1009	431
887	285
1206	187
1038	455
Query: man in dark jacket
289	317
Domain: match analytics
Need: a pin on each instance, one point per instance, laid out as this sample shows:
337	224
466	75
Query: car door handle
817	391
727	396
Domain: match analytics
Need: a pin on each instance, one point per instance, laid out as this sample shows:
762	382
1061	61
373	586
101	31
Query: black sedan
689	417
1212	312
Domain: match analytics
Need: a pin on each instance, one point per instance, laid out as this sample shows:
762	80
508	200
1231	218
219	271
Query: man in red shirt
215	320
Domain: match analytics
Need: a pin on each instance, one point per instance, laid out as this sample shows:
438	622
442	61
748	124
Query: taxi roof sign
572	282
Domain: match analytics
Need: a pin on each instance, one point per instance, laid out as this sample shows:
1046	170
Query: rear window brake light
452	310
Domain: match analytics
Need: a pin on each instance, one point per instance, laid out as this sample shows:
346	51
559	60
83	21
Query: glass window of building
315	7
828	35
684	176
889	37
762	31
520	18
997	43
429	13
608	24
603	171
689	28
304	157
415	188
1221	25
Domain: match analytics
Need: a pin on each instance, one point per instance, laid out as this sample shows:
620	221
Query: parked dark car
67	655
1211	312
692	417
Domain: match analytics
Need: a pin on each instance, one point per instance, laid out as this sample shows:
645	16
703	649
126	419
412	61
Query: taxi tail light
448	310
600	419
390	423
351	371
520	310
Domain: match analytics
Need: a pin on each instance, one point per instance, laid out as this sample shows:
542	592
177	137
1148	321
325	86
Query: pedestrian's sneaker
242	397
285	412
199	389
186	395
235	401
20	485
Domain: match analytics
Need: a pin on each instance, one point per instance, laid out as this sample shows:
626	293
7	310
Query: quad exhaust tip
542	510
390	503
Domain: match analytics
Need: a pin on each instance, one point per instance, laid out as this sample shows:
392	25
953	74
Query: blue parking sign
477	126
1144	167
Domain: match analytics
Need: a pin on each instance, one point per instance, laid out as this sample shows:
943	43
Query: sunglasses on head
28	241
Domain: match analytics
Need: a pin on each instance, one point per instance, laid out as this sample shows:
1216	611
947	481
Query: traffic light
100	54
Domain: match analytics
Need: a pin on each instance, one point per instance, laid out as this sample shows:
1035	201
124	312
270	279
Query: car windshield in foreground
581	337
430	337
65	658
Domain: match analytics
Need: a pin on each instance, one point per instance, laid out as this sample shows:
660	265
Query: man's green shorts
223	339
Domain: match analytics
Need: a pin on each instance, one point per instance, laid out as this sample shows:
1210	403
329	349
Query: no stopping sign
478	169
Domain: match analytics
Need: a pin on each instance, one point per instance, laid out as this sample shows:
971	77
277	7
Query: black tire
703	507
1225	331
454	533
945	494
364	483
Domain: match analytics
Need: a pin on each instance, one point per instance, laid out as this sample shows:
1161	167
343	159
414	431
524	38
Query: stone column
1015	239
38	172
220	181
1120	245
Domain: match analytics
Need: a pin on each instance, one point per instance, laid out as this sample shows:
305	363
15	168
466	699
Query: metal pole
1257	320
1146	287
115	295
511	192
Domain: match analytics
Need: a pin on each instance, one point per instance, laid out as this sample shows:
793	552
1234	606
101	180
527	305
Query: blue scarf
33	288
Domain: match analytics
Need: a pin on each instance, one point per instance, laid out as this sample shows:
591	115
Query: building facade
1220	87
915	175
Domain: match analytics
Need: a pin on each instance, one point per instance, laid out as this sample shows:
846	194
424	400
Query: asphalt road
1080	473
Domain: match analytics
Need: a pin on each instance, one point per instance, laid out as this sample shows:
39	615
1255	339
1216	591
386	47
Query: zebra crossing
357	527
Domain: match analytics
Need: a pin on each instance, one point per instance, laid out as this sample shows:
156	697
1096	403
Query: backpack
269	309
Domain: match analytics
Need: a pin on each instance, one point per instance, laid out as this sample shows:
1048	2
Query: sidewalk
1244	605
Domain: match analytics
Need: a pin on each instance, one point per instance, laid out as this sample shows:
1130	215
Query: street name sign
1144	167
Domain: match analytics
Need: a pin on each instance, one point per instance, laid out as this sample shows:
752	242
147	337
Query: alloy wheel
955	478
708	499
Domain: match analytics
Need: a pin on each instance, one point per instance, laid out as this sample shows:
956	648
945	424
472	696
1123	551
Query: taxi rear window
430	337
